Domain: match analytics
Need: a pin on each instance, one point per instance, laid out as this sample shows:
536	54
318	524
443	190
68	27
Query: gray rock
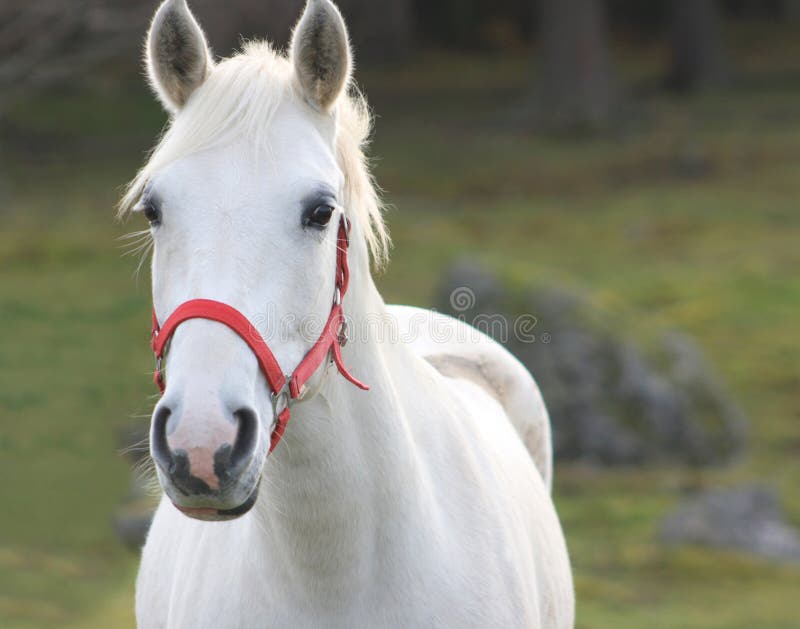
747	519
132	519
468	290
609	402
133	440
132	523
693	162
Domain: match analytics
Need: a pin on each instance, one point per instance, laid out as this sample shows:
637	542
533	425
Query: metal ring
281	400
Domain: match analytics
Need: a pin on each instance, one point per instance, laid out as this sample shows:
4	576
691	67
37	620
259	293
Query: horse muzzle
209	464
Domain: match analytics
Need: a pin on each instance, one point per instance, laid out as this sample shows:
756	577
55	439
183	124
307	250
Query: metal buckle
281	400
159	361
343	336
346	224
337	297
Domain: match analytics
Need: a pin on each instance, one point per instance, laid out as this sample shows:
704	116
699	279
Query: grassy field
684	216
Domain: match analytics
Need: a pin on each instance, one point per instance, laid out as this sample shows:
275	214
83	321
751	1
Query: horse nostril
158	438
246	437
207	456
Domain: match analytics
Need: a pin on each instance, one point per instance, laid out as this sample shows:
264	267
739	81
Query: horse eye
320	216
151	212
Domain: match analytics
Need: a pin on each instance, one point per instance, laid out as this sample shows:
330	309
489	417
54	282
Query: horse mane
240	97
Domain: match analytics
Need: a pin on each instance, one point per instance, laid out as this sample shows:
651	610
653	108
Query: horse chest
182	584
444	605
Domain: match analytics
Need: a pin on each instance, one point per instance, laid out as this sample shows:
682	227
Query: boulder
610	402
132	522
468	291
132	518
747	519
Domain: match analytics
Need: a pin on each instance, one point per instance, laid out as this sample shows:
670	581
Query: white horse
423	502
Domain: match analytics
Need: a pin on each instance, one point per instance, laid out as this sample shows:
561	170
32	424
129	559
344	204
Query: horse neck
345	469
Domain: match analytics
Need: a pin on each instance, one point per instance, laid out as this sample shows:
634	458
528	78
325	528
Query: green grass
73	370
616	217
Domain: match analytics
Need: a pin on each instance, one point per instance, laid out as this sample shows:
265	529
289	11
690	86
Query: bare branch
51	41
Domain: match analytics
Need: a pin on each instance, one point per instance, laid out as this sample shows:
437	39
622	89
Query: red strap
342	268
236	321
329	342
337	358
280	428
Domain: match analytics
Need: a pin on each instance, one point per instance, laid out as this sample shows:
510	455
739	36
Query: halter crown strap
285	389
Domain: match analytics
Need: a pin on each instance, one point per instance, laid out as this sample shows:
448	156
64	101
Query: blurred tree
229	23
791	9
576	87
774	9
380	31
475	24
639	19
59	40
50	41
698	54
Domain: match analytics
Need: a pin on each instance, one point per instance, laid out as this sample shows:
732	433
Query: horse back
463	354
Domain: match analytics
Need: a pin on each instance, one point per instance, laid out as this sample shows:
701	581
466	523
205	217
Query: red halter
285	389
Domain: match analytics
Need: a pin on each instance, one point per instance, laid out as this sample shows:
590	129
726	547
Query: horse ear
178	57
321	54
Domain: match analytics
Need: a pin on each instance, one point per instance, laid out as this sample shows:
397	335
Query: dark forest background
51	41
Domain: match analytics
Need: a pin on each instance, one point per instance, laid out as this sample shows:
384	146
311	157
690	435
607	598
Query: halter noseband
285	389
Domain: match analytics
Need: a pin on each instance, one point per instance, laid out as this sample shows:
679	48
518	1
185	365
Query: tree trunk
698	54
791	9
381	31
44	43
227	24
576	88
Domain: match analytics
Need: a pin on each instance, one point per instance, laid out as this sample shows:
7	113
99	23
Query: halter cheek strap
285	389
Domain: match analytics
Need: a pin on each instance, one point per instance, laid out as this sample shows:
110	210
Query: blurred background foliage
642	155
